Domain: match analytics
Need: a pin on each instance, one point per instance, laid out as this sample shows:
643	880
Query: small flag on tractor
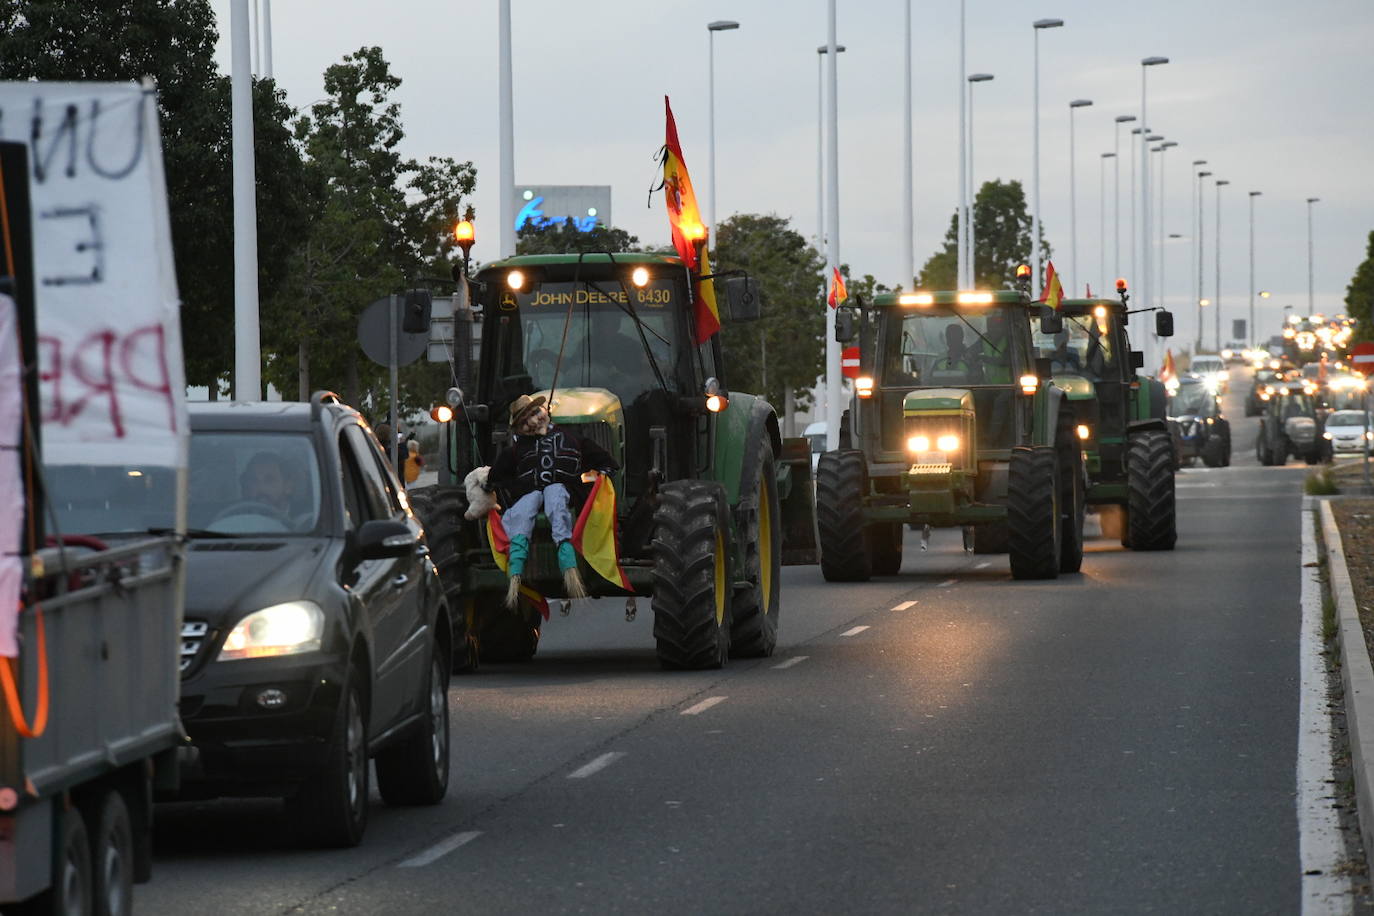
689	232
838	294
1167	372
1053	293
500	552
594	534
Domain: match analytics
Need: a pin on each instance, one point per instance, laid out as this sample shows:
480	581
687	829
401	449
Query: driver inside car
267	481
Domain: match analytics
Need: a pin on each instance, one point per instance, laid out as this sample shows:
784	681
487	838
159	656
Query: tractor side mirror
1137	359
416	311
743	297
844	325
1164	324
1051	322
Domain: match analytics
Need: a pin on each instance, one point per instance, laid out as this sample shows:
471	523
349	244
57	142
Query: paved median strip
704	705
794	660
597	765
904	605
854	631
440	849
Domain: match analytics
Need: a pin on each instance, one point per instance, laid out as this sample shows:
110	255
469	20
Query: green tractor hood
924	400
1079	388
585	405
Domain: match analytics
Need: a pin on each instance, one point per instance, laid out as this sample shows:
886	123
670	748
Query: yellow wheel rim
720	579
766	545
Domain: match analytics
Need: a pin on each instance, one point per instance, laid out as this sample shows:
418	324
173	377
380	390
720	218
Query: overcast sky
1274	95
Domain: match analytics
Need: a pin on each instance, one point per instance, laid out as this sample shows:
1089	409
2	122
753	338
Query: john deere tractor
953	424
1119	416
711	499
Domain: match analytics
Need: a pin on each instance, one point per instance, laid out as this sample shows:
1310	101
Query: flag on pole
1090	291
1053	293
594	534
1167	372
500	552
838	294
688	230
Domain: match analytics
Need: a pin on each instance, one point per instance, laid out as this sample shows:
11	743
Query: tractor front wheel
1150	514
885	547
840	489
692	575
440	510
754	611
1033	521
1071	508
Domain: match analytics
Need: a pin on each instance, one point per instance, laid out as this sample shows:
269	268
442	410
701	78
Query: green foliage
864	288
1359	295
564	238
1002	240
784	349
1321	482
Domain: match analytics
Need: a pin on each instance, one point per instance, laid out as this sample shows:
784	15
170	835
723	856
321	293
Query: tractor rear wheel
1150	513
885	547
754	610
506	635
692	575
840	489
440	510
1033	513
1214	451
990	538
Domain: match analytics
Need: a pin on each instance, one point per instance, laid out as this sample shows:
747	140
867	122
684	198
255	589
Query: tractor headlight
1083	431
918	444
863	386
515	280
282	629
947	444
1029	384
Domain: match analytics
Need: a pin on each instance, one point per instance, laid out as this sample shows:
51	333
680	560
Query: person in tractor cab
1064	357
957	366
541	470
994	358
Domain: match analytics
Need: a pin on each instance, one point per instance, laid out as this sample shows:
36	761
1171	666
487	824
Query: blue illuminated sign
531	214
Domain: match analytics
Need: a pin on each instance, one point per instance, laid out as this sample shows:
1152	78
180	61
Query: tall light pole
1216	316
1311	307
720	25
267	39
970	192
506	173
961	248
1102	220
1136	133
1039	279
1116	192
247	340
834	384
1251	328
1197	196
908	192
820	146
1074	275
1192	219
1163	148
1146	265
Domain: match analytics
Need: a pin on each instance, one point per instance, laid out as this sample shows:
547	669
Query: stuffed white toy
480	502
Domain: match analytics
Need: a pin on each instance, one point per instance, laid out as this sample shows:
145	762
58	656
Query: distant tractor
953	423
1119	416
1291	424
712	501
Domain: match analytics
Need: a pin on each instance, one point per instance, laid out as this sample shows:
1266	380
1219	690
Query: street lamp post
970	196
506	131
1073	198
1216	316
247	327
1135	252
1035	155
1145	65
720	25
908	192
1201	176
1163	148
1311	307
961	248
1251	329
1102	219
1192	218
1116	192
820	147
834	384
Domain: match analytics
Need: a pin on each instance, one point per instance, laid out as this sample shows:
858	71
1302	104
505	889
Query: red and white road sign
849	362
1362	358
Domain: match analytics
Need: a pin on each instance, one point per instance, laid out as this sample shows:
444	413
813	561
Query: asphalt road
1123	740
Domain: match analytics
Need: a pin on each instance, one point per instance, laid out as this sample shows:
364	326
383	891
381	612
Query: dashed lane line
904	605
853	631
947	583
704	705
983	565
597	765
794	660
440	849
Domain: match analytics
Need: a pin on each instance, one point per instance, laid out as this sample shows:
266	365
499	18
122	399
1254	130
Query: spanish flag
1167	372
500	552
595	537
689	231
838	294
1054	290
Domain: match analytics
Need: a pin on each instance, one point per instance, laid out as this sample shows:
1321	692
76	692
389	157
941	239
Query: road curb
1357	677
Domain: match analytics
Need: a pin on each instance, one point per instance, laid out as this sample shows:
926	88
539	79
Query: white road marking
794	660
947	583
1321	850
703	706
983	565
904	605
440	849
854	631
597	765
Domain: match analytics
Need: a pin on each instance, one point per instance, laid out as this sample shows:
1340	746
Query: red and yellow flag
500	552
1053	293
595	536
838	294
689	232
1168	372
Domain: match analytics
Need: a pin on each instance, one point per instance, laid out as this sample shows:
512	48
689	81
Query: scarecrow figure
541	470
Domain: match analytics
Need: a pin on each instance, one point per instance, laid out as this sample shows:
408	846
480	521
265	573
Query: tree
1002	227
174	42
785	349
562	237
1359	295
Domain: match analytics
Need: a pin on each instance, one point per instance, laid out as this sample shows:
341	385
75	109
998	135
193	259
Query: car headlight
282	629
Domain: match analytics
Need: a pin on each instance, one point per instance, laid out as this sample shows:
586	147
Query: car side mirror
1051	322
844	325
381	539
1164	324
744	299
1137	359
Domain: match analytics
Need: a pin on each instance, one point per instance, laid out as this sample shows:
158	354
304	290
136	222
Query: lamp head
1080	103
1122	119
1048	23
721	25
1154	61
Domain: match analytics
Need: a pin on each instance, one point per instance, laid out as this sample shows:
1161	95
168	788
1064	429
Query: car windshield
123	500
1083	347
253	483
1190	400
591	325
936	346
1345	418
1295	403
1206	364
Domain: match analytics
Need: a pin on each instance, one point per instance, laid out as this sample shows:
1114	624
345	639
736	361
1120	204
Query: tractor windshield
940	347
1191	400
1083	347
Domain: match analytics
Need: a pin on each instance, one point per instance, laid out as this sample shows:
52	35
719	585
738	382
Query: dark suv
316	634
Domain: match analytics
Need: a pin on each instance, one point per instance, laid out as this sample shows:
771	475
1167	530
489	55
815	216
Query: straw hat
523	405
